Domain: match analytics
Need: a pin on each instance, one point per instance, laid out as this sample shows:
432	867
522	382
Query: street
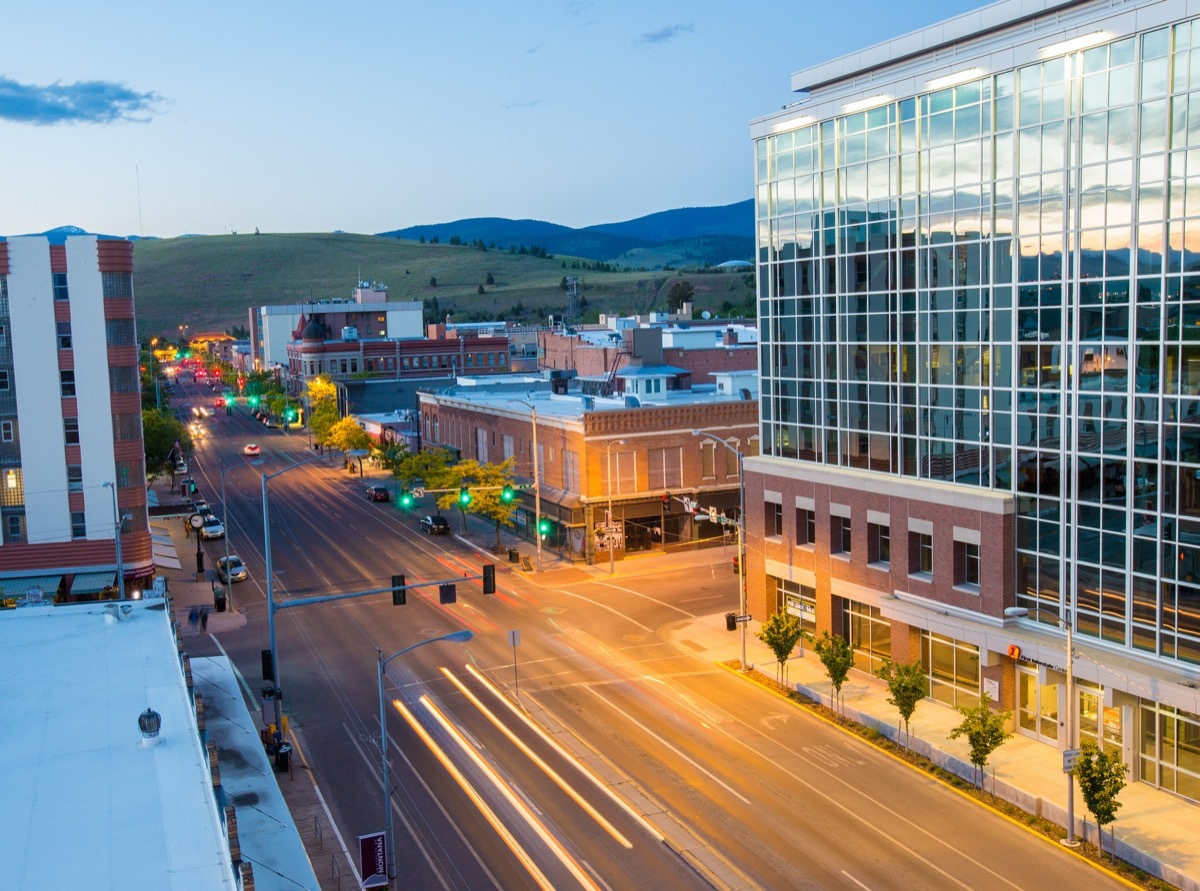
624	761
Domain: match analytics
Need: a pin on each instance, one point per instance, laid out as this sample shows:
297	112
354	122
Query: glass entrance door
1098	723
1037	706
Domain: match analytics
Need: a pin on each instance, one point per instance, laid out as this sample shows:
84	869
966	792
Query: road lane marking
628	717
554	744
513	799
855	881
647	597
602	605
540	762
488	814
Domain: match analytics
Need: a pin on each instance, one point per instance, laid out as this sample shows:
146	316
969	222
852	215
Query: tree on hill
681	292
433	281
490	280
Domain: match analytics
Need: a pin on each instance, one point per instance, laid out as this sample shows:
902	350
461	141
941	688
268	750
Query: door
1037	706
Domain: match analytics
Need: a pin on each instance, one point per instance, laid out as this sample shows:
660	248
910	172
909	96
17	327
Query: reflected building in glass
979	299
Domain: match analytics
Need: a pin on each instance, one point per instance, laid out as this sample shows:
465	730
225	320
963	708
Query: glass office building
979	267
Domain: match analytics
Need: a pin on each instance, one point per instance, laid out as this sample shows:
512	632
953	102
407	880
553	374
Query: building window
3	336
879	543
60	286
119	332
665	467
3	379
799	600
64	335
839	536
869	635
74	478
951	668
116	285
966	563
806	527
773	521
6	431
920	553
16	531
78	524
708	460
124	379
67	382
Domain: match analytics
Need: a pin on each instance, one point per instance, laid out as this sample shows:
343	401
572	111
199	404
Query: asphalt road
623	761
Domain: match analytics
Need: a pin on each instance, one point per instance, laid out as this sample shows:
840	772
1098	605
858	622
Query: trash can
283	756
219	598
514	556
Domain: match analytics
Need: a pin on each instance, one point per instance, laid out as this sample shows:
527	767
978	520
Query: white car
212	528
232	569
251	449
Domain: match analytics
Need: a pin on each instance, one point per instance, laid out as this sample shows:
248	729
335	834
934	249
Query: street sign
1070	756
514	638
419	492
372	860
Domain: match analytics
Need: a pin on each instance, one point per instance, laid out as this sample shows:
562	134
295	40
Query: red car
251	449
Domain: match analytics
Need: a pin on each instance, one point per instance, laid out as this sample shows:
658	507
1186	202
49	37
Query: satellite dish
706	315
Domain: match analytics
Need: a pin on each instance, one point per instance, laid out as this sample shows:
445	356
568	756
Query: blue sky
367	116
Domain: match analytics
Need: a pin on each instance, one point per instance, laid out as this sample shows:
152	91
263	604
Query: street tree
838	658
780	632
160	433
906	687
984	730
346	435
1101	777
321	392
428	468
485	483
321	421
390	456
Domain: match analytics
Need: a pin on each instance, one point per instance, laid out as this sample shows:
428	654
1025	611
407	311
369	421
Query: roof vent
149	723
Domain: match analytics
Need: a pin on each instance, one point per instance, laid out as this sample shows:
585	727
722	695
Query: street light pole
741	532
225	514
453	637
608	524
537	485
1019	611
117	538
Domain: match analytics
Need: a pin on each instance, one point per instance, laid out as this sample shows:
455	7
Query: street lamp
608	527
1018	612
453	637
741	533
117	522
276	691
537	485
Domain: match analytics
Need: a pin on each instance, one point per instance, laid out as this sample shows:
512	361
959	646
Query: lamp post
117	521
1019	611
453	637
537	485
276	692
608	525
225	514
741	532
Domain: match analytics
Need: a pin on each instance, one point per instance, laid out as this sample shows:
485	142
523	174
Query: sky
164	119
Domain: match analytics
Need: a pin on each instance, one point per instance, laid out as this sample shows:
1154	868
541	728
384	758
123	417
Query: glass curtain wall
997	284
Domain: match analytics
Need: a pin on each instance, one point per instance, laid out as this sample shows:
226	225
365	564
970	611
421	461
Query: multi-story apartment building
71	454
980	313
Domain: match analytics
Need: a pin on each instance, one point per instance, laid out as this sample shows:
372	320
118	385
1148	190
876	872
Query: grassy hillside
210	282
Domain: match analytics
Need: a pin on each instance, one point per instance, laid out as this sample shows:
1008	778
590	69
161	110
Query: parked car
212	528
232	568
181	466
270	421
437	525
378	493
251	449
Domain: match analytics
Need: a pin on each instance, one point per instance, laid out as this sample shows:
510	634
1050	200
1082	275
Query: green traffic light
507	494
464	497
406	499
544	527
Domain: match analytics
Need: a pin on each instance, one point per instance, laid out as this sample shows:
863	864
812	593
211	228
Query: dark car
435	525
378	493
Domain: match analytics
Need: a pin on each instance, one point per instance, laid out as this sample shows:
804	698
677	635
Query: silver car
212	528
232	569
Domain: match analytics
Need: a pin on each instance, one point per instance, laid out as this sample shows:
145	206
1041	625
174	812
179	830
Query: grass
210	282
1040	825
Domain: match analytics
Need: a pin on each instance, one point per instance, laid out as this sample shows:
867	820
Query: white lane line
566	756
615	612
855	881
667	745
664	603
540	762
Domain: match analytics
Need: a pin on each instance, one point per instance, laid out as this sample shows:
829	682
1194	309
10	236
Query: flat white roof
86	805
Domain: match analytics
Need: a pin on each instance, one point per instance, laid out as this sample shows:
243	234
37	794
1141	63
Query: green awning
92	582
16	587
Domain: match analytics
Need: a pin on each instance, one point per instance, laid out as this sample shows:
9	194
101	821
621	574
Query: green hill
210	282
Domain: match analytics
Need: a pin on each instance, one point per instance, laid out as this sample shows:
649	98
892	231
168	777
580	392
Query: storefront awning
92	582
16	587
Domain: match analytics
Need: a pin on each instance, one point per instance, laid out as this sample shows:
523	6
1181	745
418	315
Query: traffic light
666	499
191	487
507	495
464	497
252	401
489	578
543	526
291	414
399	592
447	593
406	499
267	665
731	621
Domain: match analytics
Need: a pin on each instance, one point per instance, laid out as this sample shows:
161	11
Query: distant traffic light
399	592
489	578
448	593
464	497
252	401
543	526
507	494
406	499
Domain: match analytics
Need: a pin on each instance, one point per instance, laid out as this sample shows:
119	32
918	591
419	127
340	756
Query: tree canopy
906	687
485	483
160	432
780	632
984	730
837	657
